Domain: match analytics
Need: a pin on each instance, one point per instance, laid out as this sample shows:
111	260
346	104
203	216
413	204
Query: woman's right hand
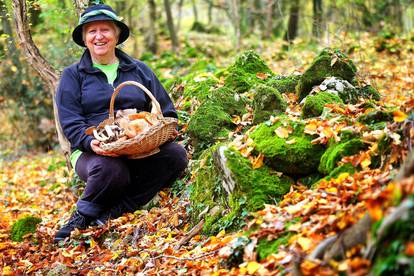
95	145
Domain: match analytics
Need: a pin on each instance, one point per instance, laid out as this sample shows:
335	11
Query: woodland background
186	43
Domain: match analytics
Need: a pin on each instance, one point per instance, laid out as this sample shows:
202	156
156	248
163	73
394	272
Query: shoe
77	220
113	213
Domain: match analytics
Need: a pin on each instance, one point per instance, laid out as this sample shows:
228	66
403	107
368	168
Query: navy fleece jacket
83	96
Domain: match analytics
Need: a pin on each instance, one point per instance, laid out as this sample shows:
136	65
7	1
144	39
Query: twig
194	231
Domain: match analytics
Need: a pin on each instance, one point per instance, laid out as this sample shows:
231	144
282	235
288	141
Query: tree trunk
195	12
152	38
170	25
235	18
180	9
292	29
267	32
80	6
48	74
317	19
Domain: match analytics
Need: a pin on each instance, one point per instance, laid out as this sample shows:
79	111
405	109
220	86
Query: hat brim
77	32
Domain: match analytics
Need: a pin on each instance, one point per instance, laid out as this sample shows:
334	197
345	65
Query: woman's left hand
95	145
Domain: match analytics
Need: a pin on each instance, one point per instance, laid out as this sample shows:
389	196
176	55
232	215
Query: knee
110	170
178	157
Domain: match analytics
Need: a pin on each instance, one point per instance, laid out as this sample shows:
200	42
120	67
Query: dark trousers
129	183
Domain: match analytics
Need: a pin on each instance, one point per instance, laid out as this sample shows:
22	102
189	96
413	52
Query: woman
114	185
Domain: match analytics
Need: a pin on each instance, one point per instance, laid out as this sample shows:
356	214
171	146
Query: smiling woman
114	184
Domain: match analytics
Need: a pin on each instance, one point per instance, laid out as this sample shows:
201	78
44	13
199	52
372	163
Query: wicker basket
145	143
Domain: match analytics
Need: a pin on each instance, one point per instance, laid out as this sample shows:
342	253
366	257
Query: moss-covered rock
242	75
253	188
314	104
328	63
369	92
284	84
376	116
267	101
211	122
23	227
297	157
337	151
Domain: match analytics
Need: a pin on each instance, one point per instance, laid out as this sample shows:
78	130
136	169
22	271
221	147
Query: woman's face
100	38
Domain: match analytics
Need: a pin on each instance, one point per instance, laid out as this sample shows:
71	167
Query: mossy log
24	226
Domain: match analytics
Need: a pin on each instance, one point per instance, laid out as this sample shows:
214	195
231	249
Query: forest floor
145	242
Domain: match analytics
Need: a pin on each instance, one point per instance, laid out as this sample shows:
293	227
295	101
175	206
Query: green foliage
23	227
298	158
330	62
267	101
314	104
337	151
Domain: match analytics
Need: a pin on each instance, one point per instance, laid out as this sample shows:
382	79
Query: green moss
211	122
267	101
241	75
369	92
251	63
284	84
328	63
346	168
314	104
298	158
206	123
376	116
265	248
253	189
337	151
261	185
23	227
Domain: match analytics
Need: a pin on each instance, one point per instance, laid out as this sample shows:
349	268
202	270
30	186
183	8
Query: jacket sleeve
71	116
159	92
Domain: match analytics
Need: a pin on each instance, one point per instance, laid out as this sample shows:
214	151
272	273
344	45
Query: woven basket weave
147	142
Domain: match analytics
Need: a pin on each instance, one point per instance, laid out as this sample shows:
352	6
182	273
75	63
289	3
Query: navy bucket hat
99	13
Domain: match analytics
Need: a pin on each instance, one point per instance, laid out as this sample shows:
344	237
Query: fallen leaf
399	116
252	267
282	132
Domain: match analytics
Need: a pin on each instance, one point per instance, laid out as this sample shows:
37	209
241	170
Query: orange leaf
258	161
399	116
282	132
409	249
262	75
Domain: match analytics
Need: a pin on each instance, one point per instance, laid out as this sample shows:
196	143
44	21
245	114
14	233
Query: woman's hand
95	145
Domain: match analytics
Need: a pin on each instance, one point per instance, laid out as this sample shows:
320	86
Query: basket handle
125	83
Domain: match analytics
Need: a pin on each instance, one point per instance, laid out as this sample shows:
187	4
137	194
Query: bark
269	18
317	19
180	9
152	38
235	19
80	6
292	29
195	12
170	25
49	75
